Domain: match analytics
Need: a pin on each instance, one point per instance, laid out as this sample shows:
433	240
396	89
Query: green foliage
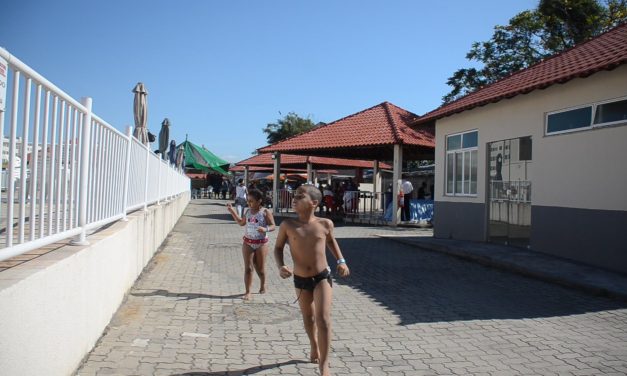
533	35
289	126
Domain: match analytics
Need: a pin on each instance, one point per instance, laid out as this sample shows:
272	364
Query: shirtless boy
308	235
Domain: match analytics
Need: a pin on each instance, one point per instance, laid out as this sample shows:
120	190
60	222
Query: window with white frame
586	117
461	163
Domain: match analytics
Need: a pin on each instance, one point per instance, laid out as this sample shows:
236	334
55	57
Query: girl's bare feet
314	357
262	290
247	296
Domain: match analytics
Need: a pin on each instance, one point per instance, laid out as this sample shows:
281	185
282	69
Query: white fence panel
66	169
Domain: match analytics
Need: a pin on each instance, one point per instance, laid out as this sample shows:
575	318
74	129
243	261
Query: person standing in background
241	194
407	189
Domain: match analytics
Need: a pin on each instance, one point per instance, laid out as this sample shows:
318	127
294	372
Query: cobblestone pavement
403	311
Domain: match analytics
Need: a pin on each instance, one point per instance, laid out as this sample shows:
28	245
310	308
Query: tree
290	125
533	35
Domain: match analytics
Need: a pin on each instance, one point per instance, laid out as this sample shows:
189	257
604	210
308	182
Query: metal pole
82	193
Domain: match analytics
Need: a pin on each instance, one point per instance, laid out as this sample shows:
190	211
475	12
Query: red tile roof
380	125
266	160
251	169
289	159
605	52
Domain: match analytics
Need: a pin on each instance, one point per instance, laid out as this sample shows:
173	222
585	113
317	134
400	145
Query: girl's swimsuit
253	238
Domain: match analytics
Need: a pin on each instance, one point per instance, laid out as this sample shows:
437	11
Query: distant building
18	150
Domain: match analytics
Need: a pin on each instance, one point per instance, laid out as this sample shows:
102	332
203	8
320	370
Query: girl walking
258	221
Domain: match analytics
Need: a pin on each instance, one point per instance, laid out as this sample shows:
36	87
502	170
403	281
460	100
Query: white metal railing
361	206
350	204
67	171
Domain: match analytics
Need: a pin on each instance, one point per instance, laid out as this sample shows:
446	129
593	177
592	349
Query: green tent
199	158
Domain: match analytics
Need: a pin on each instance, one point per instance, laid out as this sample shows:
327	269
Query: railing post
146	177
24	156
82	191
129	140
12	154
159	166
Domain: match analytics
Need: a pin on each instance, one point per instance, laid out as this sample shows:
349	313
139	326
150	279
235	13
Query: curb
512	267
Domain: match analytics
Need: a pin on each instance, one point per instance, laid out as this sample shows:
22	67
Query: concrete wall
459	220
54	308
595	237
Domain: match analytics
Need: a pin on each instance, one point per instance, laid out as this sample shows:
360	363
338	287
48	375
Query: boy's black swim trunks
310	283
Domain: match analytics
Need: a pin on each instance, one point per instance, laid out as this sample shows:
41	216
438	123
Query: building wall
459	220
578	170
595	237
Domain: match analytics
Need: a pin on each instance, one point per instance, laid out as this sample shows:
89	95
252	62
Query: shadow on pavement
184	296
247	371
223	217
421	286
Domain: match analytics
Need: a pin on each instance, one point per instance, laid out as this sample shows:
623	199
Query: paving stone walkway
403	311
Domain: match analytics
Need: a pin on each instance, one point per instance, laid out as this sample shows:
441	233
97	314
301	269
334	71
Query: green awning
199	158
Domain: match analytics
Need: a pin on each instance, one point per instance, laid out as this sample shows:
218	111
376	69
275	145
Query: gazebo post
309	172
398	166
375	171
246	176
275	183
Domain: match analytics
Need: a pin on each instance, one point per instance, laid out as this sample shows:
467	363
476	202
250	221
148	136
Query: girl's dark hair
256	194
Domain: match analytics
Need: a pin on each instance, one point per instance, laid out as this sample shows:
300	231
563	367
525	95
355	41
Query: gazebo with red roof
300	162
381	132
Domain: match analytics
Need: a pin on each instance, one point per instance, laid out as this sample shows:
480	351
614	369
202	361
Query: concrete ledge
53	309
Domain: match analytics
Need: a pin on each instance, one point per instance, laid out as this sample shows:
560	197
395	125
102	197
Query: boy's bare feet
324	370
247	296
262	290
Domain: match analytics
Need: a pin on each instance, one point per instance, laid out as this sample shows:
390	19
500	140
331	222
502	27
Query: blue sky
222	70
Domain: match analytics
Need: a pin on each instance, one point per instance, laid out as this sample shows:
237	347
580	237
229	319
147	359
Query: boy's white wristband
341	261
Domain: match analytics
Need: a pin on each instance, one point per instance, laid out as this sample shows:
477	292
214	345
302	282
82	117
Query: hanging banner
4	69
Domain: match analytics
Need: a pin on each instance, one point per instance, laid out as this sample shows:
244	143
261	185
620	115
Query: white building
536	159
